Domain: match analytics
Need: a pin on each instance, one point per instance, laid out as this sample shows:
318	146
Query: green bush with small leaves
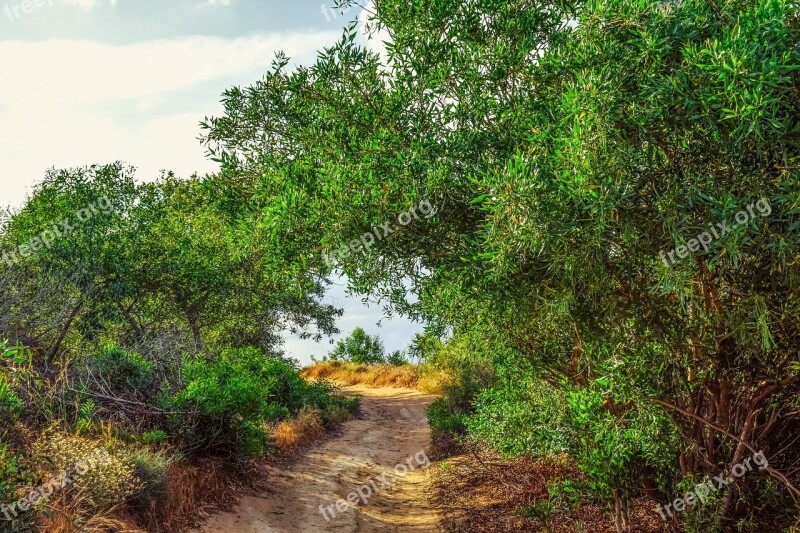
521	415
232	399
122	370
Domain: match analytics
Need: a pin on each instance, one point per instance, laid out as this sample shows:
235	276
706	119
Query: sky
97	81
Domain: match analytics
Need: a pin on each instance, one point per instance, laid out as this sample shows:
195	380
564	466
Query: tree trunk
63	333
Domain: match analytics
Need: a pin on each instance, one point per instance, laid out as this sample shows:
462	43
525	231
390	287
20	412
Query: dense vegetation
612	266
606	261
144	326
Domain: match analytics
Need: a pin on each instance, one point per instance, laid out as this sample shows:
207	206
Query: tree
572	150
397	358
94	257
359	347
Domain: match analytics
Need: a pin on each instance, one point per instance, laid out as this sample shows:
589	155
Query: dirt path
391	430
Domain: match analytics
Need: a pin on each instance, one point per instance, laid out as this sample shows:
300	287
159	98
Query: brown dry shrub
305	427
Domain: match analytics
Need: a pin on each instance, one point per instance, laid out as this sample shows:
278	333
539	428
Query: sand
390	428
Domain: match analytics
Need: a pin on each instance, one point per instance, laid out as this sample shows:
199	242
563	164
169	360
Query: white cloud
73	103
89	4
90	72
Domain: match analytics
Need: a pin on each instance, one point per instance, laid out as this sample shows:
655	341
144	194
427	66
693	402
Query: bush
448	413
235	397
325	397
228	399
122	370
10	473
107	479
443	420
521	416
11	406
613	447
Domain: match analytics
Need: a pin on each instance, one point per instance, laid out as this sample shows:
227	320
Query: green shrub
322	395
11	406
443	420
613	447
339	410
447	415
122	370
10	473
228	406
233	398
519	416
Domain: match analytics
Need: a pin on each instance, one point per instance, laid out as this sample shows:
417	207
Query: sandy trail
390	428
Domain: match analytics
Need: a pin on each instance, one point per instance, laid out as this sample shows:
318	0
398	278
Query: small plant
11	406
443	420
85	416
10	473
150	468
568	491
542	511
150	438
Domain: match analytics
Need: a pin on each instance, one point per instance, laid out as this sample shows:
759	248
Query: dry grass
195	492
290	434
406	376
67	515
481	492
